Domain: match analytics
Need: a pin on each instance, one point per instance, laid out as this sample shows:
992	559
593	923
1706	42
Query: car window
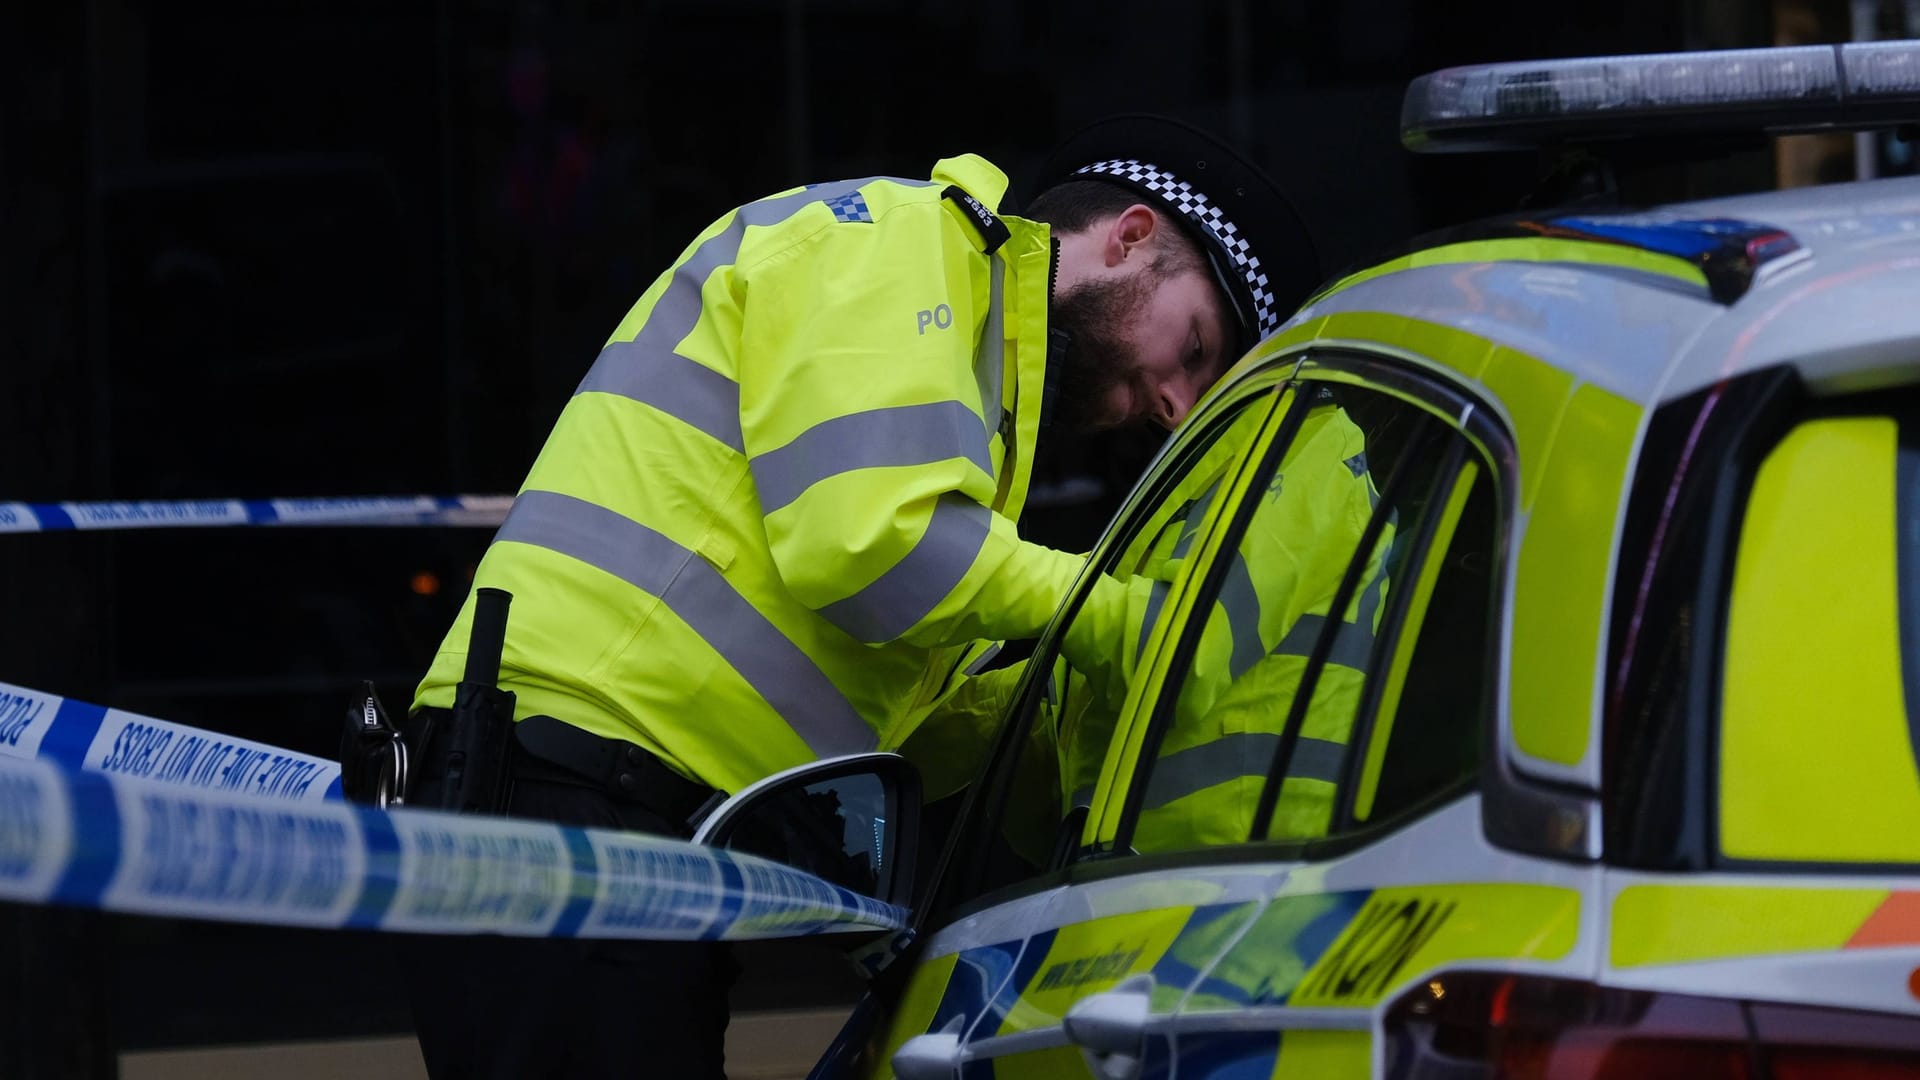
1820	664
1287	713
1083	675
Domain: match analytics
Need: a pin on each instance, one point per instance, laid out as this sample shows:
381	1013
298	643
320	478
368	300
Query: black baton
482	719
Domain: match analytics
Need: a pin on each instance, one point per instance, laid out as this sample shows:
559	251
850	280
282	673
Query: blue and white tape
80	735
93	840
383	510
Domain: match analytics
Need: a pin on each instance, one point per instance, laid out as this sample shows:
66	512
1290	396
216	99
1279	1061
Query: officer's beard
1097	316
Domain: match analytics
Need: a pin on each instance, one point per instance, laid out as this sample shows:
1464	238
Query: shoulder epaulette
993	231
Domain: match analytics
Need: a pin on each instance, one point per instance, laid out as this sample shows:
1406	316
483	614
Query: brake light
1483	1024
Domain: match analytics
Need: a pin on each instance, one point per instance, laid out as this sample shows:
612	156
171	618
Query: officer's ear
1130	235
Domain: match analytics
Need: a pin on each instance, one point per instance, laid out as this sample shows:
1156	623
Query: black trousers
518	1007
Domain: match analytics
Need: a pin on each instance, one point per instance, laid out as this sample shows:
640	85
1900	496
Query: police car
1606	765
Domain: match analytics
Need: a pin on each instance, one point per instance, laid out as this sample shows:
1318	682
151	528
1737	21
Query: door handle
1113	1021
1111	1027
933	1056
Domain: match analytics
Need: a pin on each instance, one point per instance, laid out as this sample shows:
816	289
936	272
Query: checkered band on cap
1189	201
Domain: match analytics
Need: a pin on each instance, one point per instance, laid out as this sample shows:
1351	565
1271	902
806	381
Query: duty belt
624	770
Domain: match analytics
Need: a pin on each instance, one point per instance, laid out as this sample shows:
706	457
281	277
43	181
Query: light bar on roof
1882	69
1805	88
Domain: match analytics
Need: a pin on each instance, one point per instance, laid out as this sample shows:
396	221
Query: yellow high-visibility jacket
781	505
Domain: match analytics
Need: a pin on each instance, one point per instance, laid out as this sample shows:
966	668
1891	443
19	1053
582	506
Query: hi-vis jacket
781	505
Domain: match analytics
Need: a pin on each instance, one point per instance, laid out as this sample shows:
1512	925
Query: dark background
343	247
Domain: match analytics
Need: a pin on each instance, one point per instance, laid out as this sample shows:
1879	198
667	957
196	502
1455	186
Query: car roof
1654	305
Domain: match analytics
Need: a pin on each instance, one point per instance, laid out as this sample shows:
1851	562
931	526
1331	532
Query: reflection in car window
1334	529
834	829
1086	697
1273	601
1081	682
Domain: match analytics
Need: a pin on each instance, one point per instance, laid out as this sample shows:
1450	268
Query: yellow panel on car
1816	752
1323	1054
1544	249
1405	930
1092	956
915	1011
1087	958
1535	396
1674	924
1463	353
1561	595
1288	338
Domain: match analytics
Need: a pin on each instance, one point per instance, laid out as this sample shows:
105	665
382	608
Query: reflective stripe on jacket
782	502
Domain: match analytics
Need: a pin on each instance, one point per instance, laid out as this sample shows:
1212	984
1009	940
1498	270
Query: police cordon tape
135	814
382	510
106	809
80	735
93	840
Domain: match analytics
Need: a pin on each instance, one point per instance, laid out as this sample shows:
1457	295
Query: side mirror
849	820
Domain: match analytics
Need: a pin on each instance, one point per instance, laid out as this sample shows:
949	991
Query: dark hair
1076	205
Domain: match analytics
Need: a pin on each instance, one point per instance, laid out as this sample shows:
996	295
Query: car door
1282	838
1323	709
985	993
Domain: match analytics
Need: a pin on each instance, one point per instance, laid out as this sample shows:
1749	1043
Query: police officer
779	515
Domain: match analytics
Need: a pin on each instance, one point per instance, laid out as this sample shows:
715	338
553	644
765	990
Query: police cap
1258	247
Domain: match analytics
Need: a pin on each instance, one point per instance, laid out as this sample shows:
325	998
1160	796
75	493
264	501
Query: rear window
1817	747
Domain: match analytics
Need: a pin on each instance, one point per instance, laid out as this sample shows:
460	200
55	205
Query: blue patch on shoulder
850	207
